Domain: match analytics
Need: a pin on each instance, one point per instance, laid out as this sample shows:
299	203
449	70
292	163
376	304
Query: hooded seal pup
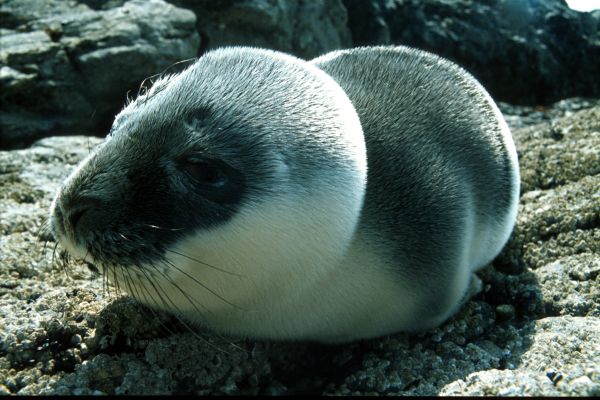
264	196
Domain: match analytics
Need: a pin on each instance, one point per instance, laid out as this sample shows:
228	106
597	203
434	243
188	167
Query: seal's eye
213	179
204	171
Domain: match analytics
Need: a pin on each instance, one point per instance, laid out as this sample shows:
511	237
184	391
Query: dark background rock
66	66
306	29
524	52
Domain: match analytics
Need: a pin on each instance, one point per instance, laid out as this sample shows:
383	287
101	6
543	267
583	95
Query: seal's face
244	162
138	194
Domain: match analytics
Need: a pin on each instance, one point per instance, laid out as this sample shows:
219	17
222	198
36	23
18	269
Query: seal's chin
75	250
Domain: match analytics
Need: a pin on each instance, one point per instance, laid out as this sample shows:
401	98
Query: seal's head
228	185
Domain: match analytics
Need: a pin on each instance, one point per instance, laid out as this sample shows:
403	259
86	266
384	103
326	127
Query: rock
548	368
524	52
533	330
306	29
66	67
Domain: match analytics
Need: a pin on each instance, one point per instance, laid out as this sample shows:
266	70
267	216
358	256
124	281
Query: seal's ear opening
216	180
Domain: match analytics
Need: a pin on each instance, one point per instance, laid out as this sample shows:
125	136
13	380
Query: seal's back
443	180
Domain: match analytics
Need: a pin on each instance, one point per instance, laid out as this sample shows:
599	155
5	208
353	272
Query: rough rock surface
534	330
65	67
306	29
526	52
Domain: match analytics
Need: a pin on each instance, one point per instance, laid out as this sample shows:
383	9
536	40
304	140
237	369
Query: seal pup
264	196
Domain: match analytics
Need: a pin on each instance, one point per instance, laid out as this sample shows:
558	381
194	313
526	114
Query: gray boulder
306	29
530	51
65	67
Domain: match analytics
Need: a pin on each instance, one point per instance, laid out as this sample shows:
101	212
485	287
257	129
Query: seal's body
263	196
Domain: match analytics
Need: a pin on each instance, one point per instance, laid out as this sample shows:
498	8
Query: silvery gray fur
439	155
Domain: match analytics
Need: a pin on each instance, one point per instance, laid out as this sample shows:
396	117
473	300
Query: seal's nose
78	213
74	215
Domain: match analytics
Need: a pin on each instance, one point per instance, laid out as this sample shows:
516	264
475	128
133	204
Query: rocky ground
534	329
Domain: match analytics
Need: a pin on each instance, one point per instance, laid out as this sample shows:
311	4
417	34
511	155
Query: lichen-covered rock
65	68
533	330
525	52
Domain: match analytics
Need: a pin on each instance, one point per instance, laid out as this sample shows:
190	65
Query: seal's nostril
77	209
75	215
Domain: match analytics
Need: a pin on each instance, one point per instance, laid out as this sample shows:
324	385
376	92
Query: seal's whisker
104	279
149	78
106	269
190	328
102	271
152	281
177	63
197	336
142	90
121	289
117	283
188	257
41	227
158	289
203	285
194	304
44	233
171	303
65	260
44	247
179	312
59	260
203	263
161	228
53	259
44	229
162	76
133	289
